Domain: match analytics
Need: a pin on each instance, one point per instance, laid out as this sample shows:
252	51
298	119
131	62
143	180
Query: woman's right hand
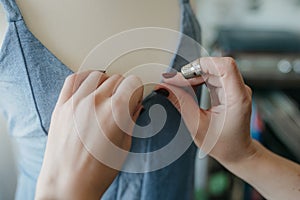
230	112
273	176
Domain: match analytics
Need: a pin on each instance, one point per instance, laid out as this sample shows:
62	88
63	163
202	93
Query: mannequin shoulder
194	5
3	25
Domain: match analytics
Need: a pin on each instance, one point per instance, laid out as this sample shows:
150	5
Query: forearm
66	189
273	176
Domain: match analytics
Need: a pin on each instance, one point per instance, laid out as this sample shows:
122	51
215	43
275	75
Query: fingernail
169	74
163	92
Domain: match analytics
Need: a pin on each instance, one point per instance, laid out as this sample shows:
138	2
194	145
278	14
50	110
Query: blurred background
264	37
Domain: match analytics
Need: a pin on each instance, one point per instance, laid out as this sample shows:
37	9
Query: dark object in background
267	59
237	41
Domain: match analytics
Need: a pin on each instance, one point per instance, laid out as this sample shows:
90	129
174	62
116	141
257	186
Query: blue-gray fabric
31	78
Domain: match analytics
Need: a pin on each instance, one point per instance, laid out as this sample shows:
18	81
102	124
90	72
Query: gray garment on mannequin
31	78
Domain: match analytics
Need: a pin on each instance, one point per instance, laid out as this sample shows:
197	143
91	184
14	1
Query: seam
29	80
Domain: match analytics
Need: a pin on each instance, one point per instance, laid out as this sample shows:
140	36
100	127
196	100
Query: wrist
46	188
250	151
56	187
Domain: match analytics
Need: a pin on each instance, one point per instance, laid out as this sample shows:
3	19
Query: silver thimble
192	70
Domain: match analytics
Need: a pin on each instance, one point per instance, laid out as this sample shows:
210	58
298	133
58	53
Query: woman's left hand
69	171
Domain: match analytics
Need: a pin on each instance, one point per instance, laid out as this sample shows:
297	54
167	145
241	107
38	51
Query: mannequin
72	29
91	23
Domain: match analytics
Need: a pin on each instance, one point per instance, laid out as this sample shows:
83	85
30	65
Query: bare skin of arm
273	176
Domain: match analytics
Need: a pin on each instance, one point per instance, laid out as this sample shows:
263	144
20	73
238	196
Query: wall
8	172
3	24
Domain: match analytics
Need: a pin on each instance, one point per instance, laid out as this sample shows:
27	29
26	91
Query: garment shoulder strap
184	1
12	11
189	48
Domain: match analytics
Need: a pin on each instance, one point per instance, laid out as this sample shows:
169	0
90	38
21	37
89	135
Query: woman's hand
273	176
229	116
69	170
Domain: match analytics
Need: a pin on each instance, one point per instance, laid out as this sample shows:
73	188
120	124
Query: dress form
71	29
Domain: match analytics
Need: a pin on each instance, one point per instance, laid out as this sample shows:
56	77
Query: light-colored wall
8	171
3	25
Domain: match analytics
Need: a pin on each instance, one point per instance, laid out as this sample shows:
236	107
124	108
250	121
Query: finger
90	84
134	118
187	105
249	90
130	91
109	86
217	96
226	69
70	86
179	80
125	101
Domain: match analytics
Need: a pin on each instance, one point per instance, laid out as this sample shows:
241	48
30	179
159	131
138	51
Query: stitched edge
29	80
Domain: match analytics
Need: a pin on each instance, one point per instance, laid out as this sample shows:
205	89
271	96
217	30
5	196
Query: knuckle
71	78
229	60
249	90
247	101
117	76
135	78
95	73
135	81
230	63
